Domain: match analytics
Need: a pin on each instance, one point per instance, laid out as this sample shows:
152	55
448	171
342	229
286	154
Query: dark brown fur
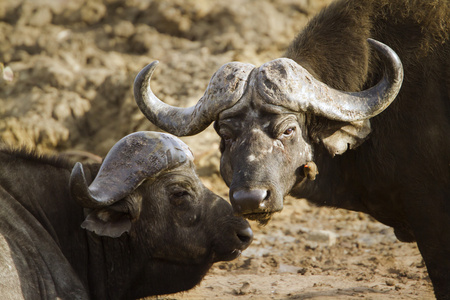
334	42
401	175
46	254
400	172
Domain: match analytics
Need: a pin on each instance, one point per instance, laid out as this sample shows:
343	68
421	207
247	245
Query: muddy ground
74	63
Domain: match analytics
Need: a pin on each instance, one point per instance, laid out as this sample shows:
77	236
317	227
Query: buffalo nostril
248	201
245	235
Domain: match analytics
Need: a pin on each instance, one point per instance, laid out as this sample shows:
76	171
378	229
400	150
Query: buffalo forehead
226	86
231	73
253	106
279	80
141	147
172	142
259	99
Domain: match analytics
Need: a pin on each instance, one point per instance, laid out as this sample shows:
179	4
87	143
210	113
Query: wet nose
249	201
245	235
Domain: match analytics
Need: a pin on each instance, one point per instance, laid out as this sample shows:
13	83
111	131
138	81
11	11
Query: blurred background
74	61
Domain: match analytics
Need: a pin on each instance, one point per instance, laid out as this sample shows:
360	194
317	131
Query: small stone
322	236
390	282
245	289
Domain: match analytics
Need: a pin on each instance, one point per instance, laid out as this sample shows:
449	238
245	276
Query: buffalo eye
288	133
180	194
226	136
179	198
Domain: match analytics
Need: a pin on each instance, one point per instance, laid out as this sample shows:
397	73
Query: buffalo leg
432	232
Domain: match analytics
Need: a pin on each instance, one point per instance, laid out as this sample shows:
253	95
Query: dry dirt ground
74	63
315	253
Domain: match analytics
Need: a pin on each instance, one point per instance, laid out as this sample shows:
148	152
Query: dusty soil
307	252
74	63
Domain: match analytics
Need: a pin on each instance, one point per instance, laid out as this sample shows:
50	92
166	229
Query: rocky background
75	61
73	64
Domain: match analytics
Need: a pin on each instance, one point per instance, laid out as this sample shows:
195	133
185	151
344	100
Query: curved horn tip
79	188
145	73
152	65
77	175
387	51
383	48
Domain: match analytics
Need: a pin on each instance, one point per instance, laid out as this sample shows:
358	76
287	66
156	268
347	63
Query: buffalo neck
40	186
330	186
344	182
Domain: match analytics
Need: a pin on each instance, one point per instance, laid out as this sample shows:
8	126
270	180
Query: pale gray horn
284	82
225	88
136	157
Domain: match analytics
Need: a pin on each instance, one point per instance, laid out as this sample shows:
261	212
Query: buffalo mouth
228	256
262	218
241	241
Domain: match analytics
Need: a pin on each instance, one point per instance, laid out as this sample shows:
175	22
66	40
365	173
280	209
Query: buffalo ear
348	136
107	222
115	219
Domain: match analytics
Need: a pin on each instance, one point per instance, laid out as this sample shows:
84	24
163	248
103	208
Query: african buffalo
151	225
326	107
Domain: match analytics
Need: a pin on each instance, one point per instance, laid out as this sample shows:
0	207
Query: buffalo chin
262	218
167	277
228	256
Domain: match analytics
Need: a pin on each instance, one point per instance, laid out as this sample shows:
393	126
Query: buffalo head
268	117
176	228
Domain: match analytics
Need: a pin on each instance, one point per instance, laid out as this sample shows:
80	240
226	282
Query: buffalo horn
130	161
225	88
284	82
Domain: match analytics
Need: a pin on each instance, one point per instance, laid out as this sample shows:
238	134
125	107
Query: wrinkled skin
270	136
179	229
394	166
